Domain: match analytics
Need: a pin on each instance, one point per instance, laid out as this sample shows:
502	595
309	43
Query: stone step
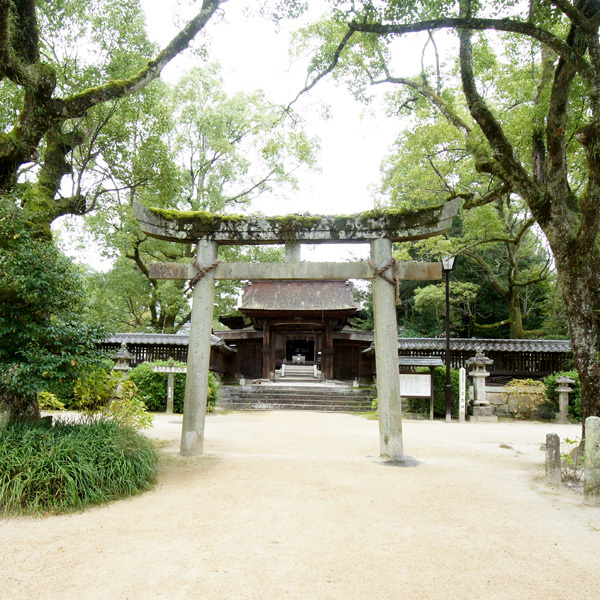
323	398
315	407
311	390
300	400
292	397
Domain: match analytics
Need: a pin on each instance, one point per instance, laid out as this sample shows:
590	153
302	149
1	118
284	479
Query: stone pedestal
563	389
481	410
591	486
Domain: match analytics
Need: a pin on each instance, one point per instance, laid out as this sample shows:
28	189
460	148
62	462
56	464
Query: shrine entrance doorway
300	348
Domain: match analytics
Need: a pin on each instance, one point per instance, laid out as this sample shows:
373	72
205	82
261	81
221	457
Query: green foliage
524	397
421	405
108	395
71	466
209	155
430	302
574	396
48	401
153	386
572	461
44	345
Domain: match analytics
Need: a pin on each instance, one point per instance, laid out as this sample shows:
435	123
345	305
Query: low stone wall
505	407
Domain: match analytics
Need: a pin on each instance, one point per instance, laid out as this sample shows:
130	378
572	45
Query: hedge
154	386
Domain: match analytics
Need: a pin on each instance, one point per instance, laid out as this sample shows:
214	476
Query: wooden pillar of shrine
266	351
327	352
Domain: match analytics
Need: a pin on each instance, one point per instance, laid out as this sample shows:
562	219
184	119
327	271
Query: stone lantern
563	389
122	358
482	410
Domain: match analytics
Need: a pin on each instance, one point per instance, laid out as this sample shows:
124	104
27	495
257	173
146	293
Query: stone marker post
170	389
462	394
553	475
196	382
563	389
591	485
170	370
386	355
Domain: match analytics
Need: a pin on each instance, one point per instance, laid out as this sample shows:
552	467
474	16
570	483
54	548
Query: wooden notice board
418	385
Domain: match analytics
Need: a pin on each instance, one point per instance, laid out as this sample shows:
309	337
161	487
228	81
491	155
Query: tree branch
488	198
78	104
503	151
429	93
332	65
573	13
473	24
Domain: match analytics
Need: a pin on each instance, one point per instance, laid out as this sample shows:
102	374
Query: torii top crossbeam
397	226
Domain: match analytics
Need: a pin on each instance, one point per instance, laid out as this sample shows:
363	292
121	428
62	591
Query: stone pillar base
483	414
561	418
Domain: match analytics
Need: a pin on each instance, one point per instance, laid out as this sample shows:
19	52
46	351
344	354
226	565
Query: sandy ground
297	505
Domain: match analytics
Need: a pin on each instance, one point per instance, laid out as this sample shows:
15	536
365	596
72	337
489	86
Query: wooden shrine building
284	322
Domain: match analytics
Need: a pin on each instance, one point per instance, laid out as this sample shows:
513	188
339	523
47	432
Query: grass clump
70	466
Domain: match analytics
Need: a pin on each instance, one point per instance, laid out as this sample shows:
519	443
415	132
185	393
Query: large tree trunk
515	315
579	283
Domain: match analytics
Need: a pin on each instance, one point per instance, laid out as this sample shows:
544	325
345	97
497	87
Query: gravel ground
297	505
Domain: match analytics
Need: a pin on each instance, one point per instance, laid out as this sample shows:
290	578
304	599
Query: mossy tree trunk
568	92
41	133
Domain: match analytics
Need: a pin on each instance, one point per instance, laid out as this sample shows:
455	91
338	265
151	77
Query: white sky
253	55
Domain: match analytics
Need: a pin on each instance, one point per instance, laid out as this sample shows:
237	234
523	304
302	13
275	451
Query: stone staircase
324	397
298	373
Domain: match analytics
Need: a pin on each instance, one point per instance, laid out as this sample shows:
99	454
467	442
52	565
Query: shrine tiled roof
172	339
485	344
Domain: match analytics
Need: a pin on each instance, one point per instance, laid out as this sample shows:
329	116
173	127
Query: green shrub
48	401
110	395
524	397
421	405
574	396
69	466
153	386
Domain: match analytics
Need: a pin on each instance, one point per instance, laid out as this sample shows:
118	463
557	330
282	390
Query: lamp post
447	266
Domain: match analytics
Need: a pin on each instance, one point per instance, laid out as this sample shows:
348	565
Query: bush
69	466
524	397
153	386
109	395
44	342
574	396
421	405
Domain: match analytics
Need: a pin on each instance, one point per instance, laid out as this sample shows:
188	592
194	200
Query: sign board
415	385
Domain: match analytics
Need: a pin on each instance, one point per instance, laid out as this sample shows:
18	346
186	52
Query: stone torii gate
378	228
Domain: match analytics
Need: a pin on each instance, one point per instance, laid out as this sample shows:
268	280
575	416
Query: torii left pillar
386	356
198	363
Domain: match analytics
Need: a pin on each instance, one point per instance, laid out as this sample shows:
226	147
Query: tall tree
430	162
36	70
554	164
214	152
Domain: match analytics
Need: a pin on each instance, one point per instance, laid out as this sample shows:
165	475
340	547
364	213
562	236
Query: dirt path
296	505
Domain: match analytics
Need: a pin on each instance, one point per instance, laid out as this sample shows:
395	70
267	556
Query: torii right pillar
386	355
